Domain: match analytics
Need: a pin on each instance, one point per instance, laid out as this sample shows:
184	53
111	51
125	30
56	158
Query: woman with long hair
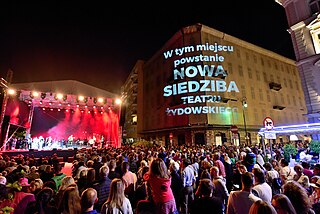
117	202
262	207
70	203
159	180
42	204
65	183
282	204
298	197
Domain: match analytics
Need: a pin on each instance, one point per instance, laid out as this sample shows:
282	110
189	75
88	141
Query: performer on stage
29	141
41	142
70	140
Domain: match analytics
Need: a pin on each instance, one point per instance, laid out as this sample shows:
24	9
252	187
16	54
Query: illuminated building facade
202	82
304	26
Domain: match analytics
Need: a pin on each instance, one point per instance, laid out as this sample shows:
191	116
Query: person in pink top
218	163
159	180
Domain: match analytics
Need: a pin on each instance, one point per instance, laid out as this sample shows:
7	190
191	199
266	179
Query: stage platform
65	155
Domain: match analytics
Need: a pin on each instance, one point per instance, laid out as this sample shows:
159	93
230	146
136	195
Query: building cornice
283	3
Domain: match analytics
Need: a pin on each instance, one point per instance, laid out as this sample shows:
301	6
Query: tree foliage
315	146
288	151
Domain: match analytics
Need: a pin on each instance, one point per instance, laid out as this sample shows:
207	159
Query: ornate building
304	26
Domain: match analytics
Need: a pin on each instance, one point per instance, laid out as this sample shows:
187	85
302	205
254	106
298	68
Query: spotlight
58	96
65	97
81	98
100	100
11	91
118	101
35	94
40	102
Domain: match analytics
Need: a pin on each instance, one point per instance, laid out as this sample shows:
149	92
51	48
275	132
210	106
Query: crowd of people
157	179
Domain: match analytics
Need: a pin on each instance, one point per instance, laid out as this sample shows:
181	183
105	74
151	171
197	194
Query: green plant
288	151
315	147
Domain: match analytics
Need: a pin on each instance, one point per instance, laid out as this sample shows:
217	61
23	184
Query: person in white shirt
286	172
240	201
261	188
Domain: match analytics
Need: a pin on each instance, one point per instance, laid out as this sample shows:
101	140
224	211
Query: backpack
276	183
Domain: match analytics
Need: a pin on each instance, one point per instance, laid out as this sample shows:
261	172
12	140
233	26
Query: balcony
277	107
275	86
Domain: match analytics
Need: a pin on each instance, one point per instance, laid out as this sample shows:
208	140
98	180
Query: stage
65	155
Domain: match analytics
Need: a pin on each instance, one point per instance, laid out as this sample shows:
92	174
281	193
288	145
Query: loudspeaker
75	149
6	119
54	149
31	150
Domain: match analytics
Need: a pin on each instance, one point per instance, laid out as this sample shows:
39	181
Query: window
314	6
256	116
260	94
262	61
240	71
290	83
271	78
294	101
297	85
300	102
265	77
254	58
279	117
285	82
289	100
243	91
238	54
282	98
249	73
253	96
268	96
315	33
229	68
285	117
258	75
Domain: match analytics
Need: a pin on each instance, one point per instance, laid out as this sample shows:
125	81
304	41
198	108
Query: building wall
130	91
250	70
304	27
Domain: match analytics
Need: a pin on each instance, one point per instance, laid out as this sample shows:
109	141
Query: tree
288	151
315	147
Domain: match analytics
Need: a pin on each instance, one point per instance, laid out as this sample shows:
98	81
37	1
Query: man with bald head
88	199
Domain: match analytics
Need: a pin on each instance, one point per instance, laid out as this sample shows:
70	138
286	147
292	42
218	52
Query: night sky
99	43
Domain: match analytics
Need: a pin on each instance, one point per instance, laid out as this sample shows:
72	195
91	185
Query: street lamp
245	105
